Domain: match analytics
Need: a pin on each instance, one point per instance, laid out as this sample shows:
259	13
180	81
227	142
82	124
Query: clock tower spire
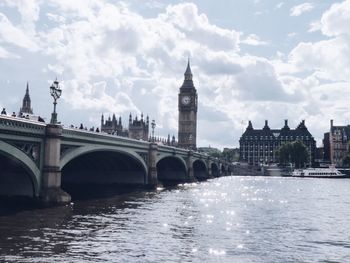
188	100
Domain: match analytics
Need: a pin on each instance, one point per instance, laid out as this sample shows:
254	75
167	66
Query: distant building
336	143
139	129
26	108
326	148
261	145
113	126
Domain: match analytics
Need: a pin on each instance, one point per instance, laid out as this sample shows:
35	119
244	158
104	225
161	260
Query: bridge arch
19	175
171	169
200	170
102	165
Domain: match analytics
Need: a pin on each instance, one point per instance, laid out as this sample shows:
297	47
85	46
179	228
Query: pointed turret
26	104
250	125
286	127
102	120
266	127
168	140
188	82
188	72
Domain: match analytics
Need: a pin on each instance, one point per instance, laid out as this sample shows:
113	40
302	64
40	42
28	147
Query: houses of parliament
138	128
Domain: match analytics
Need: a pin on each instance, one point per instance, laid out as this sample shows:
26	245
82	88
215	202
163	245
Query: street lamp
55	92
153	125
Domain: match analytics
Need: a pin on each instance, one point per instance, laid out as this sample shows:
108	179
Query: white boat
330	172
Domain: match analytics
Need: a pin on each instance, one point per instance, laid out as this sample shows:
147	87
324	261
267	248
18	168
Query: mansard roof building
260	145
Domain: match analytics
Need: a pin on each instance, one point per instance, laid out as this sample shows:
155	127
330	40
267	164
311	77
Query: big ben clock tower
188	103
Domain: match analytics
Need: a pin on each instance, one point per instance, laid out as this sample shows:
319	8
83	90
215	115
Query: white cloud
315	26
29	11
279	5
292	34
327	57
14	35
324	56
197	27
113	60
253	40
336	20
300	9
6	54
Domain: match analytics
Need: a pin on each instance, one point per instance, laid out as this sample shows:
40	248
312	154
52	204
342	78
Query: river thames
229	219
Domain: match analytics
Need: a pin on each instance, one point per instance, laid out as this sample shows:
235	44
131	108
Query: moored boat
331	172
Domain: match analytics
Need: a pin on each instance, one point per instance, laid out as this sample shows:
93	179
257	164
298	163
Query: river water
229	219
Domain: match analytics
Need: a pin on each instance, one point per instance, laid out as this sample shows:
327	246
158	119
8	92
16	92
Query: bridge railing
77	133
8	123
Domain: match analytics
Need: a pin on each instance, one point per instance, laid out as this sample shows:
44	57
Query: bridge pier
51	191
210	172
152	178
190	172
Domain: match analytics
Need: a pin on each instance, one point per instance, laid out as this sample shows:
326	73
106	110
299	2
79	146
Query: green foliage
293	152
346	160
230	155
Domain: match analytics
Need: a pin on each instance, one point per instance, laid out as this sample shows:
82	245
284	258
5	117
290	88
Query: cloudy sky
251	60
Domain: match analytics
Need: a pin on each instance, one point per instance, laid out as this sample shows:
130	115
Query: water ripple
232	219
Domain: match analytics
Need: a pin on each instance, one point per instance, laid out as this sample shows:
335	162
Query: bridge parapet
76	134
19	125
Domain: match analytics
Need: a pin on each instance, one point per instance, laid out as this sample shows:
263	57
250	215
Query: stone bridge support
210	172
51	191
152	178
189	163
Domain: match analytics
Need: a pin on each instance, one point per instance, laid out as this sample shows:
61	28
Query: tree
230	155
284	153
346	160
300	154
293	152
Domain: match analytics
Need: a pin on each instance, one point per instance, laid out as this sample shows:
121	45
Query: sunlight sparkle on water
217	252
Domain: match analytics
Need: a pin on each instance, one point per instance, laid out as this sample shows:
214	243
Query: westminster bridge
39	160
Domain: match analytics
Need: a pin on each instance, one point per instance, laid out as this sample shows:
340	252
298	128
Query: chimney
265	122
285	122
331	123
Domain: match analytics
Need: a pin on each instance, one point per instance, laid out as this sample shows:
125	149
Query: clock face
185	100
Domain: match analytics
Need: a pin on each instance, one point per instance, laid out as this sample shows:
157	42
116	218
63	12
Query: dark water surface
231	219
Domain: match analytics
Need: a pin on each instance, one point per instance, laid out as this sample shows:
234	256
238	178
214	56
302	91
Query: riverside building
336	144
259	146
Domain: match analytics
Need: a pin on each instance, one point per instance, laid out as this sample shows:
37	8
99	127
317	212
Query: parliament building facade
258	146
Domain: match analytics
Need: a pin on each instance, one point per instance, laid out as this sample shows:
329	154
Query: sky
251	60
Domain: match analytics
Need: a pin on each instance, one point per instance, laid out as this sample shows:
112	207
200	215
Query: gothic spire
26	104
188	72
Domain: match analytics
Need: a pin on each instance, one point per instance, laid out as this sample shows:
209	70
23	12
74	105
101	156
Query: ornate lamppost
153	125
55	92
